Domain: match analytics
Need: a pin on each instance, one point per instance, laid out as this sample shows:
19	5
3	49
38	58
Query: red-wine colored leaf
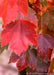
13	58
32	60
45	42
19	35
42	67
28	59
21	63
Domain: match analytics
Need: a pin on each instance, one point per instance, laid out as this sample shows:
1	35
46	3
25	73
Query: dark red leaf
42	68
49	54
21	63
32	60
27	59
45	42
13	58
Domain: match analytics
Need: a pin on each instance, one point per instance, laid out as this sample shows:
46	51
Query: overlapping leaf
26	59
22	62
42	67
13	58
22	33
45	43
31	16
9	9
32	59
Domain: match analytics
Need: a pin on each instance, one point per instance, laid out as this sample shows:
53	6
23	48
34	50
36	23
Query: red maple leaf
42	67
9	9
45	43
19	35
26	59
9	14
